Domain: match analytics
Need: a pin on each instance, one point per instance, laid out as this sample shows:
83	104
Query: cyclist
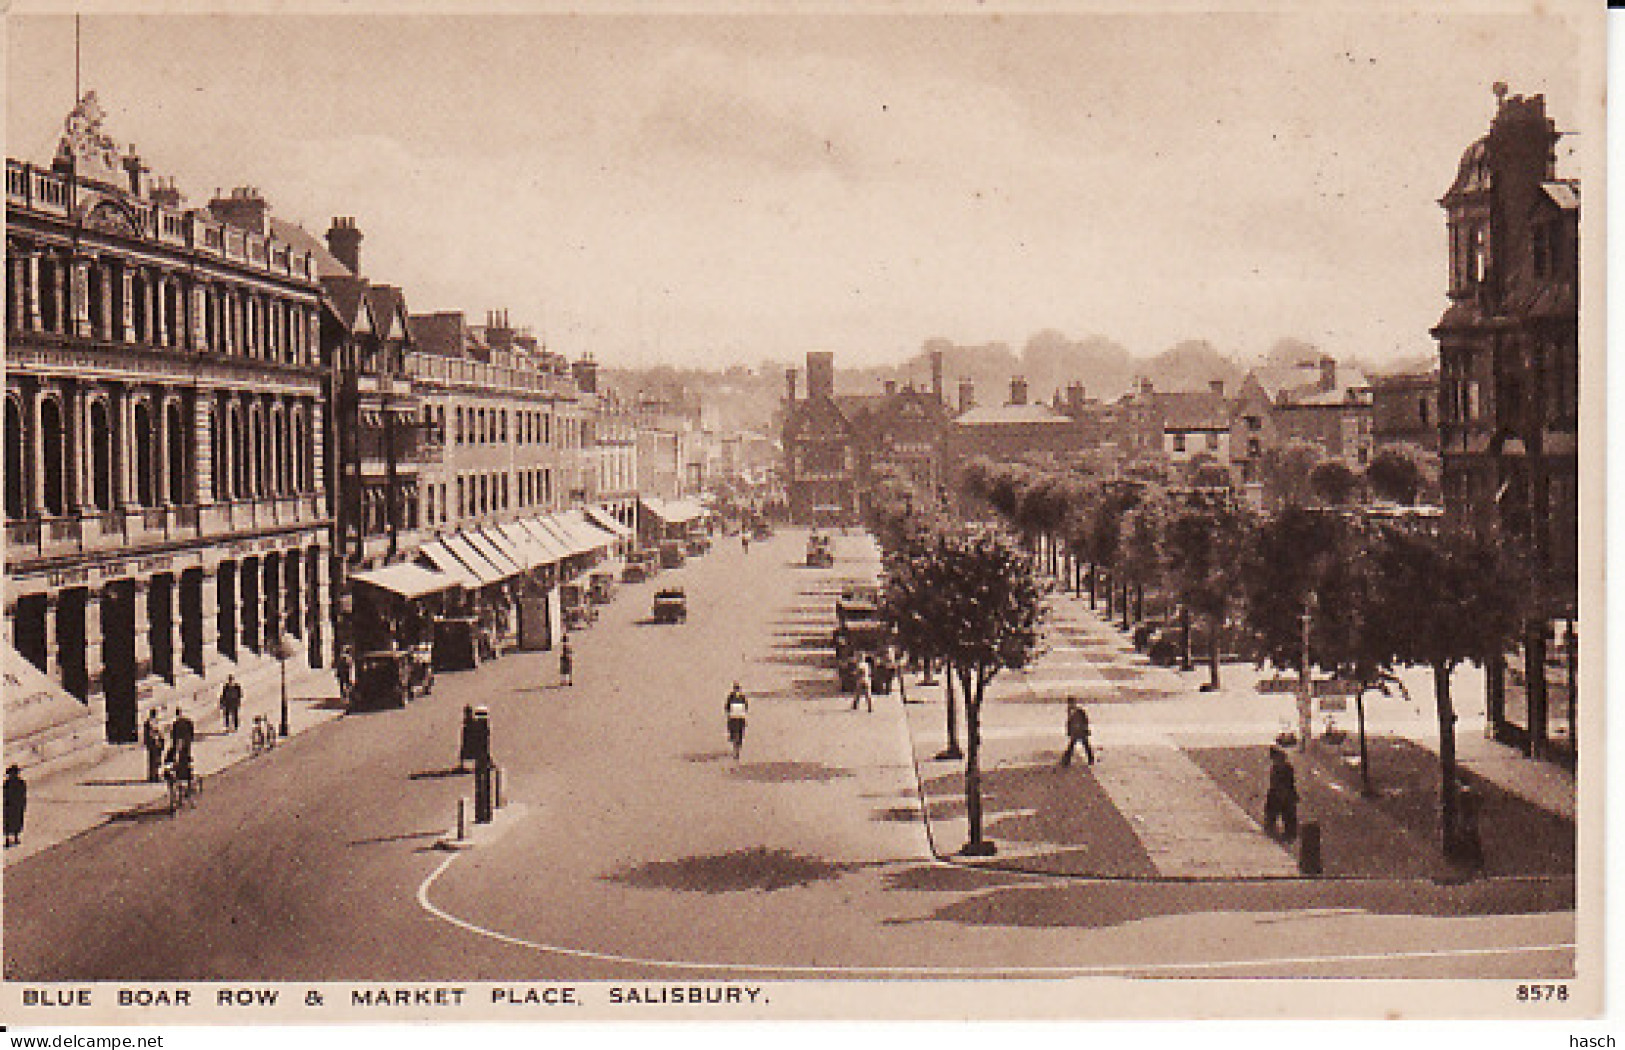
263	736
736	708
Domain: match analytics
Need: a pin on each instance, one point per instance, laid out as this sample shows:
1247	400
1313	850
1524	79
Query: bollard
482	793
1309	849
462	819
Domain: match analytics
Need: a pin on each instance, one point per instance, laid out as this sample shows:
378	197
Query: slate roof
302	240
1192	410
1004	415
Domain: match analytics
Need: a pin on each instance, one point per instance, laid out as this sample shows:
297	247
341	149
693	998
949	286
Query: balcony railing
66	535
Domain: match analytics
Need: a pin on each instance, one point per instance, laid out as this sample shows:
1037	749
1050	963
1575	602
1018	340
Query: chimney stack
1146	389
936	375
1018	390
820	373
1074	397
586	374
244	209
1328	373
967	395
890	386
344	243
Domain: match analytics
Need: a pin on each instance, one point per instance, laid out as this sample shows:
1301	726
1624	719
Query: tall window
16	505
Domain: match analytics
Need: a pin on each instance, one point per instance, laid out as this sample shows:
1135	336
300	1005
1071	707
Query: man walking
861	693
567	662
231	703
152	738
1077	732
1281	802
14	804
181	733
736	708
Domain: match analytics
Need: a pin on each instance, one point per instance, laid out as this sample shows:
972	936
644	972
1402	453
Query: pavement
1155	735
108	782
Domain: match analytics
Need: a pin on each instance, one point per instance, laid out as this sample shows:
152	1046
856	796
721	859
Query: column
166	635
126	305
93	640
203	407
148	333
36	453
76	450
160	291
16	295
59	293
124	442
110	325
31	289
209	611
272	607
161	489
53	643
200	328
142	589
323	638
79	296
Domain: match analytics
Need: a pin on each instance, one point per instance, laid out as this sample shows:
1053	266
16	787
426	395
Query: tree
1285	471
1203	546
1334	482
1396	473
971	597
1452	596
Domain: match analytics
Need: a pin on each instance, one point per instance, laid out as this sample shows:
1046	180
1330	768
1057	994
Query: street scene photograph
733	514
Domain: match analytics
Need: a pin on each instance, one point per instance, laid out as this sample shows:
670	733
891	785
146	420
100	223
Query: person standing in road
1077	732
737	709
567	662
181	734
1281	802
152	738
861	693
14	804
231	703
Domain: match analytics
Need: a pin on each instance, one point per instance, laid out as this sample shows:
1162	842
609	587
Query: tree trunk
1365	758
952	750
1213	652
1448	789
1093	569
1184	638
1534	677
977	846
1124	608
1139	602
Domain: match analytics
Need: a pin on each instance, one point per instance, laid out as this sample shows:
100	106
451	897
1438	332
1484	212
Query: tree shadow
436	774
757	868
787	772
404	836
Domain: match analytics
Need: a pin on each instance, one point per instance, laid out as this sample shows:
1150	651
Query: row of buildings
1499	416
227	444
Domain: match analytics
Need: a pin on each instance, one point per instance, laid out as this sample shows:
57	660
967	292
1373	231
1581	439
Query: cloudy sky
713	188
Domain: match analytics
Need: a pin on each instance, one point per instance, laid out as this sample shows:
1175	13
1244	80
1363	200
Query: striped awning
604	520
476	562
504	564
436	554
409	581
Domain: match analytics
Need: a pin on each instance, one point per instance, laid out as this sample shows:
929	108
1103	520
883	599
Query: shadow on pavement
758	868
785	772
707	756
118	782
436	774
402	837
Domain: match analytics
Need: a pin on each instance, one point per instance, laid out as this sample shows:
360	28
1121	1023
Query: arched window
16	502
180	452
144	439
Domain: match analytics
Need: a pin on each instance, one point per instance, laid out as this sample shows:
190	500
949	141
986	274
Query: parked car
634	571
382	679
456	643
602	586
762	531
820	553
671	555
671	606
858	602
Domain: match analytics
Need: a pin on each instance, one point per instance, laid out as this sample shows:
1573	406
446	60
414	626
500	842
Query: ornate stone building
164	429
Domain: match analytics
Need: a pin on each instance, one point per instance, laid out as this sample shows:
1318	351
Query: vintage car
576	606
858	602
671	606
672	555
762	531
634	571
383	678
820	552
860	639
601	587
456	643
698	543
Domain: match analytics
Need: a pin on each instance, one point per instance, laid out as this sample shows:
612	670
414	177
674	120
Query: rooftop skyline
711	189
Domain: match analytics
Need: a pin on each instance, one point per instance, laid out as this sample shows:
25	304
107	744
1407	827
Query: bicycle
262	737
184	787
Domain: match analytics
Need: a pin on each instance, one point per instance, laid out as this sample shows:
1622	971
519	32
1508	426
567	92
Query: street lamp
283	650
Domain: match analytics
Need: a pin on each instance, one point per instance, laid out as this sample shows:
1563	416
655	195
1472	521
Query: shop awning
436	554
674	511
476	562
595	538
492	553
556	548
34	702
530	544
604	520
552	526
408	581
520	556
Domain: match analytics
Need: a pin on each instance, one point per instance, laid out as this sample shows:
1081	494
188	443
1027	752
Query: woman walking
737	708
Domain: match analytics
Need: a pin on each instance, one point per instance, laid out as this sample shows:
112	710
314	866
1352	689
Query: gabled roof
1564	193
389	311
1005	415
1192	410
348	296
301	240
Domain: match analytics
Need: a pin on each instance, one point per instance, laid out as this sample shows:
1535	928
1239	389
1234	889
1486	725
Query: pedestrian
15	804
231	703
344	671
861	693
181	733
479	731
567	662
465	743
744	541
1281	802
737	709
152	738
1077	732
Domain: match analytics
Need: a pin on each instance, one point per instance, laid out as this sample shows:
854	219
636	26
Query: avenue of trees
1315	586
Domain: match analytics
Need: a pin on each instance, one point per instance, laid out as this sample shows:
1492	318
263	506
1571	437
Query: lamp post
284	649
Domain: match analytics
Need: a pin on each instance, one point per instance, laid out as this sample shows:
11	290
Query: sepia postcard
731	512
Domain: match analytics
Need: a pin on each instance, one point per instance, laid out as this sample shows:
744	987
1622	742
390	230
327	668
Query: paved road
637	847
